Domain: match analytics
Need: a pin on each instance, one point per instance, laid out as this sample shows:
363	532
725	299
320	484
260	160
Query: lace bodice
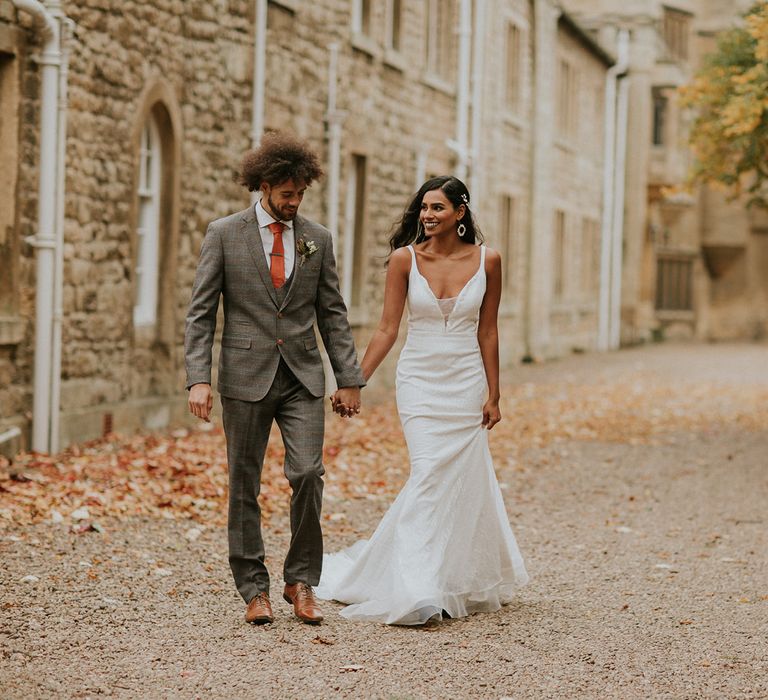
455	315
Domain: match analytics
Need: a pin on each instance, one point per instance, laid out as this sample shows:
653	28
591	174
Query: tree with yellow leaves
730	96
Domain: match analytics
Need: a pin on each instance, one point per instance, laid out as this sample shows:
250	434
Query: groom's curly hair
280	156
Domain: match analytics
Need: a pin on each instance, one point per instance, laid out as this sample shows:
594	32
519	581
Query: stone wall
577	192
189	65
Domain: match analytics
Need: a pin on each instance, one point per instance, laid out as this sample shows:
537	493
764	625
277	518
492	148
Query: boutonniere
305	249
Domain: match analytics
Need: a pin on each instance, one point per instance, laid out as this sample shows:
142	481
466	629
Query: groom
276	273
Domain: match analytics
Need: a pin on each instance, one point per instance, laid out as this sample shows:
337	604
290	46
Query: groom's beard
283	213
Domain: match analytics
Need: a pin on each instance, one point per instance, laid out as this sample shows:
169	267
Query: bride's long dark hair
407	230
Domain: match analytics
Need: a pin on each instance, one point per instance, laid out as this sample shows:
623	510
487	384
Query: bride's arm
488	336
395	292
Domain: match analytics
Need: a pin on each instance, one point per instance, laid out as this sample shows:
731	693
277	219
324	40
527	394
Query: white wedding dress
445	544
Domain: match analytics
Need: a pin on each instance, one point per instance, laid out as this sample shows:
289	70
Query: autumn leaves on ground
183	473
635	482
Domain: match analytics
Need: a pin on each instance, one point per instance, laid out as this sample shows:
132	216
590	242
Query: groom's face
282	201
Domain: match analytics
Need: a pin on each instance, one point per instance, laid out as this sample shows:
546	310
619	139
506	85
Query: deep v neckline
436	298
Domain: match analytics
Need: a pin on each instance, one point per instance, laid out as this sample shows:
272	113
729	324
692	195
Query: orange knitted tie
277	256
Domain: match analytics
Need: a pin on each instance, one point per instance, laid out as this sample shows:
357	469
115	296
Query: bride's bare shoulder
400	260
492	255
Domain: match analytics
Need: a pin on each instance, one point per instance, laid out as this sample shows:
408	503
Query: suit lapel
252	235
298	232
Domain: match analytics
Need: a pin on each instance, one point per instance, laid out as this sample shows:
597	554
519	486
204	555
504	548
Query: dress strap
413	258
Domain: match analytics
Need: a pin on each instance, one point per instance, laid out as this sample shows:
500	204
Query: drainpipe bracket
336	116
49	58
37	242
460	151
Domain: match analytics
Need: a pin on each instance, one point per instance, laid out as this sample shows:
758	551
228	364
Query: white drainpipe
259	77
478	57
610	190
334	119
45	239
67	26
460	145
618	214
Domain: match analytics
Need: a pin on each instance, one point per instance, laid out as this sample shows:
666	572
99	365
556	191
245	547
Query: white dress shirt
268	238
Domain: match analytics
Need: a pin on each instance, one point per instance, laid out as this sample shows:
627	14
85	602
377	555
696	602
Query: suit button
280	341
279	314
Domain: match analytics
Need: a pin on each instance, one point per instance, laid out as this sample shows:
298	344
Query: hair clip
465	199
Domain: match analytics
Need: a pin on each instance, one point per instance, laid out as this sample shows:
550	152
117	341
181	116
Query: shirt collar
265	218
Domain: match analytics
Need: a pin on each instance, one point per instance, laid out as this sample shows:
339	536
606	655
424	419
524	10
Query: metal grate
674	284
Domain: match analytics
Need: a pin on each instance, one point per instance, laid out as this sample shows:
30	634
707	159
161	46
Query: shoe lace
304	593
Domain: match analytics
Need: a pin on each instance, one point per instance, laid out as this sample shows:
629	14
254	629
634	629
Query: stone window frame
394	29
560	256
147	269
566	101
363	27
440	18
676	30
512	246
509	216
675	290
661	116
589	257
512	86
362	17
158	101
354	275
12	325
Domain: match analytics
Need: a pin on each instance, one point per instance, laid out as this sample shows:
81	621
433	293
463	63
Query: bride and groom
445	547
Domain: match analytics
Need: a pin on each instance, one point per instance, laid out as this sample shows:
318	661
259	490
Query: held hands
201	401
491	414
346	401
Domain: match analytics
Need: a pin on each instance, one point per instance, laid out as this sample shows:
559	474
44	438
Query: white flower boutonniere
305	249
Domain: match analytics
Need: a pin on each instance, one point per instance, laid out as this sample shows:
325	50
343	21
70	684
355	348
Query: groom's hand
346	401
201	401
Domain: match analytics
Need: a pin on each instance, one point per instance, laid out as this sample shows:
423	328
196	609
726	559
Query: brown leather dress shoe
305	606
259	610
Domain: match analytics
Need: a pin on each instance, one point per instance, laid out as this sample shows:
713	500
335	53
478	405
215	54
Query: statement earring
461	230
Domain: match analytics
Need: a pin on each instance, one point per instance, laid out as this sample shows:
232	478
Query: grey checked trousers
301	420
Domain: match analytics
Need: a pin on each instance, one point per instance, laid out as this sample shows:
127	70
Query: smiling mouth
430	224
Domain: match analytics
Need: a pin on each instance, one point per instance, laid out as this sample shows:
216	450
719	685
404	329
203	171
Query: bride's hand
491	414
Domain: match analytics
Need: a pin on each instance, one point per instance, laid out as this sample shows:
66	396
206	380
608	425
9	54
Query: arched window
148	225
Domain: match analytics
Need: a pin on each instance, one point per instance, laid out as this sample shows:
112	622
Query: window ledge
364	43
290	5
513	119
11	330
394	59
437	82
675	315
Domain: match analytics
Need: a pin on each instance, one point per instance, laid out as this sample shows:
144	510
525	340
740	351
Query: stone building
694	265
162	100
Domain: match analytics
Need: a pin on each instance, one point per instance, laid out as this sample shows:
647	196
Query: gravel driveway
648	560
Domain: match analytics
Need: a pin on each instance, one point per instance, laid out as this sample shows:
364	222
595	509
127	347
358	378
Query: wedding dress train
445	544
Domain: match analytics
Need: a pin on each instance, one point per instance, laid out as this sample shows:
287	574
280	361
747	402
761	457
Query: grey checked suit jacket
258	331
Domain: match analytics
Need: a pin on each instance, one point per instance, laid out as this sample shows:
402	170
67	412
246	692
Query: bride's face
438	216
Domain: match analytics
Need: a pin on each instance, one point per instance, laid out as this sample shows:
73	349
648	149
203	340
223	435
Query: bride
444	547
